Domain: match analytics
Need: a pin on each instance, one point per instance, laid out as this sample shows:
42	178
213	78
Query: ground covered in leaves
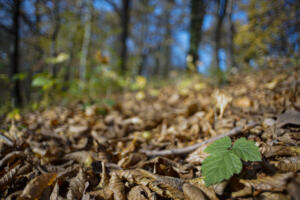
150	144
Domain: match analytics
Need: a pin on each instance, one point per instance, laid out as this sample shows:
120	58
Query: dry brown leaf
269	183
163	185
85	195
117	187
192	192
82	157
242	102
14	195
198	156
293	187
219	188
246	191
6	178
290	164
273	196
77	185
138	193
208	191
10	157
14	133
54	195
271	85
78	129
132	160
268	122
38	185
279	150
290	117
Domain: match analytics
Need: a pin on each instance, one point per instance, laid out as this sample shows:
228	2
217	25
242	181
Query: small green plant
47	83
225	159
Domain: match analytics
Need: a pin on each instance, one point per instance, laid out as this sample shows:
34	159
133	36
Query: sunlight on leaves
60	58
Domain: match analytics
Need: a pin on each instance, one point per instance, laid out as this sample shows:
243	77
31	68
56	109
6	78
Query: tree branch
189	149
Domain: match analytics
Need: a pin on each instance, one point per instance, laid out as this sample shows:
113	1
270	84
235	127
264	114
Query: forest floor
135	149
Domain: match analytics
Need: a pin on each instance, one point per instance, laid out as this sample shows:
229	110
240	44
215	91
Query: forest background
79	49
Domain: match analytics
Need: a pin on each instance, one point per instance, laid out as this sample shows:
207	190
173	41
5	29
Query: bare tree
221	11
125	20
197	8
56	26
15	57
86	38
230	35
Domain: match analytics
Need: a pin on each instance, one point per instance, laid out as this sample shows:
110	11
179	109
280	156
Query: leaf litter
151	145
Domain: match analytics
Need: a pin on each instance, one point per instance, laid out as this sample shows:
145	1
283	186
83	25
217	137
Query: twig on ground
189	149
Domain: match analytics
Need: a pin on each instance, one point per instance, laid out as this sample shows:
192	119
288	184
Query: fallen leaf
38	185
288	118
191	192
269	183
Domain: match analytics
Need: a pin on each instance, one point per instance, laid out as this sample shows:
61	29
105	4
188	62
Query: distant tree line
67	39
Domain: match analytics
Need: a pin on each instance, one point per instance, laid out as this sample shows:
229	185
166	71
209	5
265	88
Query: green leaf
221	166
40	81
20	76
219	146
246	150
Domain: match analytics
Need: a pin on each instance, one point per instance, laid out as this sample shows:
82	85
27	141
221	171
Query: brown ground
116	152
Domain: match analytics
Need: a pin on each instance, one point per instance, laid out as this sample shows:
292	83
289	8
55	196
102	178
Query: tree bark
297	25
196	20
53	50
168	39
230	35
86	39
125	20
15	57
221	11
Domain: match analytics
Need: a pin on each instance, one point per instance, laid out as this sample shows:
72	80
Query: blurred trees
86	38
14	60
93	40
125	19
230	62
197	9
220	15
270	32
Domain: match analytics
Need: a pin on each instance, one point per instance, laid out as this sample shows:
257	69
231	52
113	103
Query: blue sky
205	51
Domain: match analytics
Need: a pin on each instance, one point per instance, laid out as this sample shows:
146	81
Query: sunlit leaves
43	80
60	58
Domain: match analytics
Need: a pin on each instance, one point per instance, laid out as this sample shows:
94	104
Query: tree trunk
168	40
196	19
142	63
221	11
16	87
86	39
230	35
53	50
297	25
125	20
